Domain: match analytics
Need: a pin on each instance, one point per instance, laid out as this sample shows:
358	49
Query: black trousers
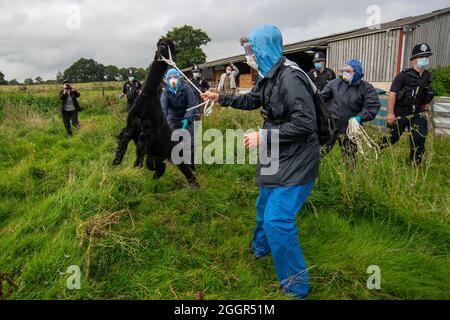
348	149
70	116
417	124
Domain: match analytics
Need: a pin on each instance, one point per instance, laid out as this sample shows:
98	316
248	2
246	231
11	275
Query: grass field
63	204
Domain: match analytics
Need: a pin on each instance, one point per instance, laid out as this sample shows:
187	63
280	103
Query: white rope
359	137
208	109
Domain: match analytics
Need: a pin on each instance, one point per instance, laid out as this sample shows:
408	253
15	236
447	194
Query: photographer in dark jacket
70	106
285	94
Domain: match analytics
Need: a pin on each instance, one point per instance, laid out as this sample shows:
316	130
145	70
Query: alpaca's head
164	45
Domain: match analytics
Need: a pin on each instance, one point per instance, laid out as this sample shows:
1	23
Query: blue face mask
319	66
423	63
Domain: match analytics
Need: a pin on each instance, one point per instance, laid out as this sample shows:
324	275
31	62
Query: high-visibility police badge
424	47
317	56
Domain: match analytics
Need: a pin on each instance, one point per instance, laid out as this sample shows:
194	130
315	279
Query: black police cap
319	56
421	50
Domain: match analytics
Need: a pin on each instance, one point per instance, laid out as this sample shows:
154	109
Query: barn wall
378	53
436	33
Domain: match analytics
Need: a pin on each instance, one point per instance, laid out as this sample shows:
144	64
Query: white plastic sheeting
441	116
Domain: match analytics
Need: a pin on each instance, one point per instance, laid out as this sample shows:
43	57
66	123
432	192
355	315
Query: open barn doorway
305	57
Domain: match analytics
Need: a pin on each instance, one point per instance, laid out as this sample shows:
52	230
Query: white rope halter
208	104
359	137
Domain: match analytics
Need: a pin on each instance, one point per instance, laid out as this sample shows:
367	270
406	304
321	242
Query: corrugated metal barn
384	52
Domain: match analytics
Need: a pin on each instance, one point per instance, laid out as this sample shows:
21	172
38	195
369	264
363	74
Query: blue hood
171	73
359	72
267	43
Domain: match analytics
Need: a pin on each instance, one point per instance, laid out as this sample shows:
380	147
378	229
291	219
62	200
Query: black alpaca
147	124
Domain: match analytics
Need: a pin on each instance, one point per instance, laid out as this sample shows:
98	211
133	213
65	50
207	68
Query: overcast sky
40	37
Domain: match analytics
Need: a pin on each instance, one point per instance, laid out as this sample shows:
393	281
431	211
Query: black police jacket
412	89
321	79
131	90
293	116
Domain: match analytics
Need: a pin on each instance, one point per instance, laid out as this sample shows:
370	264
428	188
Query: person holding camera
70	106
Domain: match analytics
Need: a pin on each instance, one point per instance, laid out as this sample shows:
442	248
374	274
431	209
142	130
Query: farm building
384	51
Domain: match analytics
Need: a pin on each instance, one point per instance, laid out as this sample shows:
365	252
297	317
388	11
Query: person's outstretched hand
253	140
209	95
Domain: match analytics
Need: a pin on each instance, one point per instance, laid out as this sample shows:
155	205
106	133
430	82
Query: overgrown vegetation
441	81
63	204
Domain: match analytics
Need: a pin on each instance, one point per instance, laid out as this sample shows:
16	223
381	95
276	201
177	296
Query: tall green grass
173	242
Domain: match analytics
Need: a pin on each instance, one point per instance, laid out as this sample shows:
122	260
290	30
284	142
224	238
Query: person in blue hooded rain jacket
285	94
177	97
350	97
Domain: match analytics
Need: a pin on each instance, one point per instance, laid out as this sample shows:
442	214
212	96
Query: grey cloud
35	40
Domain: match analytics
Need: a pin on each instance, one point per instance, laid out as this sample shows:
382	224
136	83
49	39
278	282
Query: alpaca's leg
140	151
124	138
160	169
150	163
189	174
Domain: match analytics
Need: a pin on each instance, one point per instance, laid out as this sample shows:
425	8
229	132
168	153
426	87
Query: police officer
131	89
409	101
197	79
199	82
321	75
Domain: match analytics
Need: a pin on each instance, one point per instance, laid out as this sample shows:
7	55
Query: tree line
188	42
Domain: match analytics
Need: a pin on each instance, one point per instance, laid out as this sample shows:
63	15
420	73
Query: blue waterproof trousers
276	233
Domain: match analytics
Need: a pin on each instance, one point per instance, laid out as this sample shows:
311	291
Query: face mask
347	77
319	66
173	82
423	63
196	75
131	79
251	61
228	72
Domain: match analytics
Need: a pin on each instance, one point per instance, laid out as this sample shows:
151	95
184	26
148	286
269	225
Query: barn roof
323	41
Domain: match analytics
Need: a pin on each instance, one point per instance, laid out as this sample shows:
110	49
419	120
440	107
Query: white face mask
173	82
251	61
196	75
131	79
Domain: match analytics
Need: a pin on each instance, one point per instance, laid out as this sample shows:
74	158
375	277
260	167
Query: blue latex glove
185	124
358	118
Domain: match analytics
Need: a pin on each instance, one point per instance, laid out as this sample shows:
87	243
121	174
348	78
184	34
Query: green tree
188	42
112	73
141	74
39	80
28	81
13	82
2	79
85	70
59	77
